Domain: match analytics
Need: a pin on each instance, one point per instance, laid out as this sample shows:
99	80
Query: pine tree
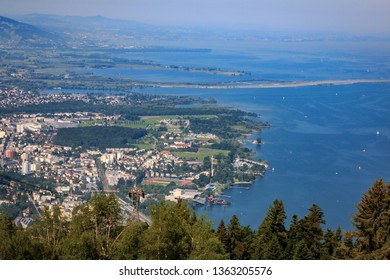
307	230
372	222
271	229
332	241
273	250
302	252
346	249
223	236
240	240
234	235
294	235
312	230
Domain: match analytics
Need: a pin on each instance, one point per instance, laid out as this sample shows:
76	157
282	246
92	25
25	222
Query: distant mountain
16	32
103	31
83	23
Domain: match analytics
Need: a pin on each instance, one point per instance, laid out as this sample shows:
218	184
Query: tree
176	234
140	175
332	241
302	252
307	230
294	236
206	163
93	229
106	214
372	222
271	236
7	231
312	230
346	249
202	181
273	250
222	235
127	245
239	240
17	243
167	237
204	244
50	229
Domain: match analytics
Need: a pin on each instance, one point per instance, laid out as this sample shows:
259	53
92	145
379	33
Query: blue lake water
265	60
323	146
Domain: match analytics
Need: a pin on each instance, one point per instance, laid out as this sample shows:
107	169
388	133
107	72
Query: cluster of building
26	147
240	163
124	163
17	97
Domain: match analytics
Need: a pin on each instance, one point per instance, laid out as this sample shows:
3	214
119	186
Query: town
169	160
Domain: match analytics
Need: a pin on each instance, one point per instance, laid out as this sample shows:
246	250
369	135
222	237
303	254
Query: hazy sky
357	16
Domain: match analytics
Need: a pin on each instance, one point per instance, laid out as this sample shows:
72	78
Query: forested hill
16	32
97	231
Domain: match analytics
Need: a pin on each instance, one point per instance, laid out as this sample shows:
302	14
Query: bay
322	148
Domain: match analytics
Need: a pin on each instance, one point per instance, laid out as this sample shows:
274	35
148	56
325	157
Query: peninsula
263	84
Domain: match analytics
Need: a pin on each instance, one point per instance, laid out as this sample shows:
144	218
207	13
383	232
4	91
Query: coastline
245	85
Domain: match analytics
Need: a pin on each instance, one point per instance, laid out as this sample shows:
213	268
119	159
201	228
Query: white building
25	157
26	168
35	166
182	194
19	128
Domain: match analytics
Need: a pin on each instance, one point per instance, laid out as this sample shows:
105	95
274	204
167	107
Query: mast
135	195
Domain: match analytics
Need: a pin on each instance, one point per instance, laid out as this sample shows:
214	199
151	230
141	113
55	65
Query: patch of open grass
201	154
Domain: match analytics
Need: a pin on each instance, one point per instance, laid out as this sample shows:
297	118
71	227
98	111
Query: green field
91	123
201	154
146	121
128	124
144	146
157	119
239	127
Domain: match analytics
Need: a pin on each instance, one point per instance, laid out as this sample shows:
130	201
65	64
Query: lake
322	148
326	145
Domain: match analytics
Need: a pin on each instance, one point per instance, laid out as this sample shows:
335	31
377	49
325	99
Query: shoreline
255	85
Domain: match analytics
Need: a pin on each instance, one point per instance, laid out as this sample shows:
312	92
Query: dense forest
97	231
99	136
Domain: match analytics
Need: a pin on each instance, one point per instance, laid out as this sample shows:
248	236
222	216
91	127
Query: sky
352	16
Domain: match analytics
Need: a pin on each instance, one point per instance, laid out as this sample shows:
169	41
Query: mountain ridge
17	32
